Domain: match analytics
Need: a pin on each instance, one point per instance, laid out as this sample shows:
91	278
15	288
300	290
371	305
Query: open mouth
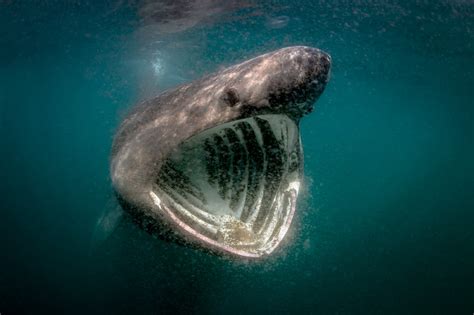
234	186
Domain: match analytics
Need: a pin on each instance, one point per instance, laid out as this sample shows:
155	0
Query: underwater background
385	224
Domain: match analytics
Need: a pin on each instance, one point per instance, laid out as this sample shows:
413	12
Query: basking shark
218	162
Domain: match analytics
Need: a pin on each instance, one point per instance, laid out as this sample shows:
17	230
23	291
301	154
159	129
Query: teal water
386	221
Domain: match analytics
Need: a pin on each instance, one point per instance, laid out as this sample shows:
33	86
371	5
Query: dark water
386	224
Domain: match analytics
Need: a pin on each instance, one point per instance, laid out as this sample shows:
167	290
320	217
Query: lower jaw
233	188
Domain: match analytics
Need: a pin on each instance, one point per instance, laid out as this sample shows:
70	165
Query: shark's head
220	159
287	81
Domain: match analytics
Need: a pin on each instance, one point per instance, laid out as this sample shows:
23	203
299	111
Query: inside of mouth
234	186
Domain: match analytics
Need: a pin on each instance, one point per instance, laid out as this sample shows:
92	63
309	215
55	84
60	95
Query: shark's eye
231	97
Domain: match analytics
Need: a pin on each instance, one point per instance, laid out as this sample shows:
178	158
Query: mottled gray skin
287	81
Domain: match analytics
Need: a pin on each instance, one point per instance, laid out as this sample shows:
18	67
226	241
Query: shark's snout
321	64
303	77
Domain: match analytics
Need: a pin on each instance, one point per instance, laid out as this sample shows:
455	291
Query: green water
385	224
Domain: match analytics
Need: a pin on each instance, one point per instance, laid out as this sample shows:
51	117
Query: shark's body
219	160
